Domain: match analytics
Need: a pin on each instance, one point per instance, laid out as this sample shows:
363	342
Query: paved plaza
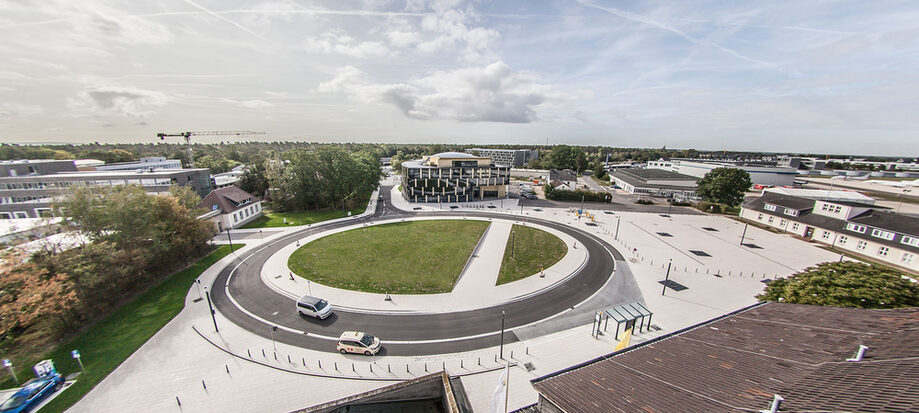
227	371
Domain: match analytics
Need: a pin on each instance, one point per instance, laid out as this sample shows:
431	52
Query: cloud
10	110
493	93
248	104
450	29
118	100
345	45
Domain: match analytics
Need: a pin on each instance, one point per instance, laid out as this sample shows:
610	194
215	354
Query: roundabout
252	294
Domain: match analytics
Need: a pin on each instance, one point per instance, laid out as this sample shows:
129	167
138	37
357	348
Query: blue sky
817	76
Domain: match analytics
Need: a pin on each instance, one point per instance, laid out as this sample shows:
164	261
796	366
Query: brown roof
226	199
740	361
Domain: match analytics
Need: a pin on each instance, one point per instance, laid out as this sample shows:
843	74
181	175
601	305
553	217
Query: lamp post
744	233
271	331
667	277
617	228
211	307
501	351
230	238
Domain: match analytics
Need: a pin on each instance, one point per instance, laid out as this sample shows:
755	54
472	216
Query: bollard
741	274
203	385
444	366
480	361
425	367
275	355
228	368
389	368
371	367
320	364
263	354
354	369
461	363
336	366
512	354
178	401
406	369
249	352
527	352
496	358
303	360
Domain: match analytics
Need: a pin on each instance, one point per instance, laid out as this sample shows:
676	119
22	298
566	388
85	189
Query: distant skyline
837	77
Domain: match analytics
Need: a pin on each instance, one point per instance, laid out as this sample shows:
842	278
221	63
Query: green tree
565	157
217	165
845	284
724	185
254	179
327	177
110	155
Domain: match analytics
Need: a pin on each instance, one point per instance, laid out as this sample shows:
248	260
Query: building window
826	207
910	241
771	219
882	251
826	235
843	239
770	207
782	222
862	245
857	228
760	217
837	209
907	258
794	227
792	212
882	234
235	218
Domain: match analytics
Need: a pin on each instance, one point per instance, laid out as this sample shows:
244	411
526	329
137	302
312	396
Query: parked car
46	382
358	342
314	307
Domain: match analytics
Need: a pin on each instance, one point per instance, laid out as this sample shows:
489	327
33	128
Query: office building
157	162
655	182
515	158
454	177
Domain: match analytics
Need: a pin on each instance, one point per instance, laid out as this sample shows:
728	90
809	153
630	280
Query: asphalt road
401	333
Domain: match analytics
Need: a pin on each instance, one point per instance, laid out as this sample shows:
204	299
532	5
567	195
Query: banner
499	399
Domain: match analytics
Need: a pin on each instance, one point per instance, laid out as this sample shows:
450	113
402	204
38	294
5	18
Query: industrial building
157	162
762	173
655	182
28	187
454	177
511	157
844	220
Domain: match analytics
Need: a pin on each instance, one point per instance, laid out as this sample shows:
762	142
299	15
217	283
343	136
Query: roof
738	362
774	198
904	224
453	155
825	195
563	175
652	173
227	199
632	178
434	392
351	335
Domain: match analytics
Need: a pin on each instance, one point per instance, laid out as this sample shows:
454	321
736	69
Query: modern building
655	182
27	188
454	177
845	223
511	157
803	358
231	207
761	173
565	179
228	178
157	162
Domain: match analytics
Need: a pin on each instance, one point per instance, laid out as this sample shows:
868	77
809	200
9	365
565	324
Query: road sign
7	363
75	354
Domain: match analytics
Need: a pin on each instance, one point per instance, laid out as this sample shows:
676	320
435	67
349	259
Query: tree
724	185
845	284
217	165
564	157
599	170
327	177
254	179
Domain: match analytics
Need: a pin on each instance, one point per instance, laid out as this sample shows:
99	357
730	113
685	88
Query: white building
156	162
852	226
760	174
235	206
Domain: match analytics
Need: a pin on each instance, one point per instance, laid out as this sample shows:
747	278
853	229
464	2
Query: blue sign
75	354
7	363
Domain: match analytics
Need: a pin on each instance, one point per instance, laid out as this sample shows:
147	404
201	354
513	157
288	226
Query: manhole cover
754	246
664	234
675	286
700	253
710	229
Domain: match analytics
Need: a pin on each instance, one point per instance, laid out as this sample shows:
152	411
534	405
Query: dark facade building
655	182
454	177
27	188
510	157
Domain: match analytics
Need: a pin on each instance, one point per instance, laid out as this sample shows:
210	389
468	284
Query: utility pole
617	228
742	236
211	307
230	238
502	335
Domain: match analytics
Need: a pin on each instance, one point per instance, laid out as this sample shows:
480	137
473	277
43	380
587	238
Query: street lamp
502	335
273	344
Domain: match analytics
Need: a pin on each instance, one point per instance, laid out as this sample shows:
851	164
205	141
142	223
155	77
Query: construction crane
188	135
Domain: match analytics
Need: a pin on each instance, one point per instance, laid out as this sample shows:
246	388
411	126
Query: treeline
128	239
327	177
556	194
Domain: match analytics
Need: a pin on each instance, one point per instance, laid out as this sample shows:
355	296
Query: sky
778	76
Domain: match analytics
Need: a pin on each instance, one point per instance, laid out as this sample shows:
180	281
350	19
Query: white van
314	307
358	342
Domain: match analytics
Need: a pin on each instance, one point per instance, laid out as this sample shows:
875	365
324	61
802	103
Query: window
771	219
794	227
782	222
826	207
882	251
770	207
760	217
862	245
792	212
837	209
910	241
857	228
826	235
843	239
882	234
235	218
907	258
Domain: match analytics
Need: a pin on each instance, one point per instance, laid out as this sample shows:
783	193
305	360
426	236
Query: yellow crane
188	135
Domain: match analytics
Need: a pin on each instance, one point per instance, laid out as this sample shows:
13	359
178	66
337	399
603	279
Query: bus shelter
625	316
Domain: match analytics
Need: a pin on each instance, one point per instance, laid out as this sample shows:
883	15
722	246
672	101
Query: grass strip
277	219
109	342
535	250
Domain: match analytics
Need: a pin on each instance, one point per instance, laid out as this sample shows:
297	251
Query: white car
358	342
314	307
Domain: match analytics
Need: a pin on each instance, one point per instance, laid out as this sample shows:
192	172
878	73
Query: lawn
415	257
106	344
276	219
535	249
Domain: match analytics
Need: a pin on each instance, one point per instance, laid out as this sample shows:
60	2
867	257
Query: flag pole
507	382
